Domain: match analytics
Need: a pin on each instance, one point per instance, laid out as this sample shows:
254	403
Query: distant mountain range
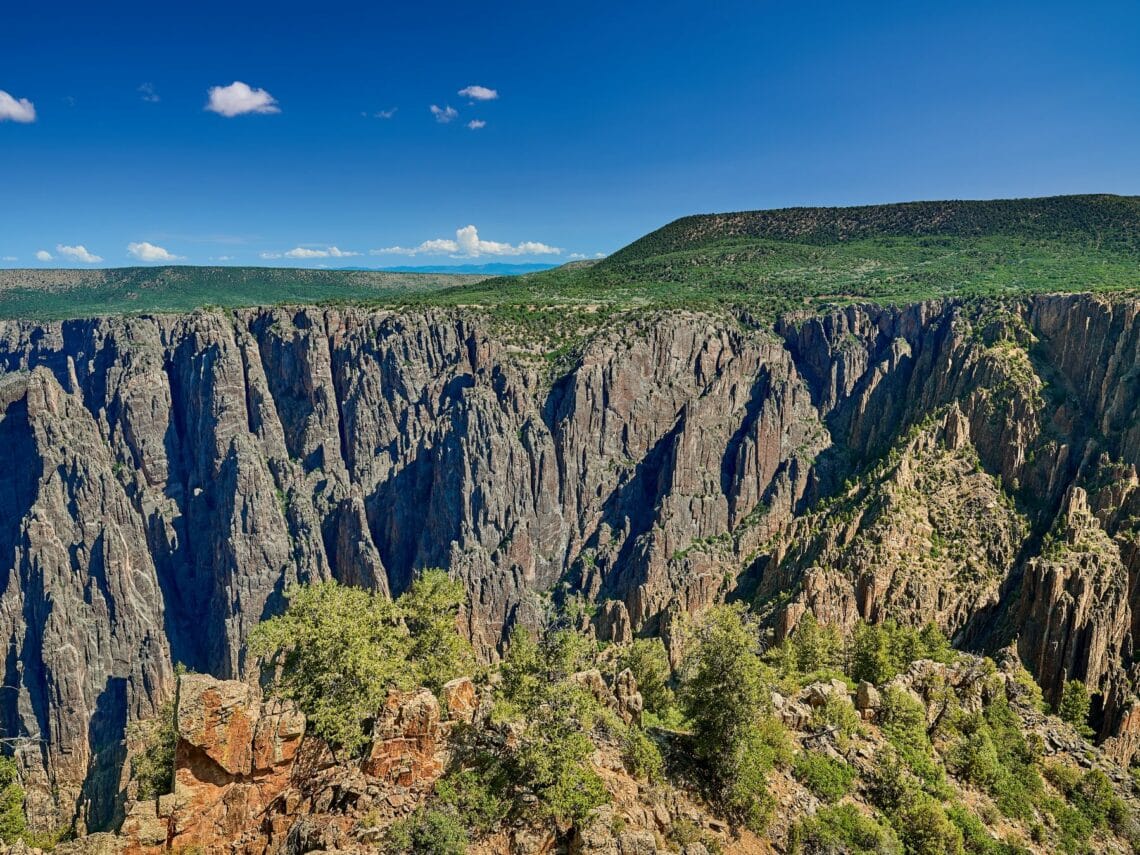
483	269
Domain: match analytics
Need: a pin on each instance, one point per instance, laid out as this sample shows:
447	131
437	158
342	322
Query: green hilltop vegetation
760	263
769	262
60	294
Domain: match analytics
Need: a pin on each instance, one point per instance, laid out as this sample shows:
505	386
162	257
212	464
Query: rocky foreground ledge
250	781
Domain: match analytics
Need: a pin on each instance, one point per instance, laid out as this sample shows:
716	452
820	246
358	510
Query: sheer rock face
163	480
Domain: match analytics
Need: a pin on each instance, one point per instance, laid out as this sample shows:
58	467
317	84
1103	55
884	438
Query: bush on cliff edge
338	650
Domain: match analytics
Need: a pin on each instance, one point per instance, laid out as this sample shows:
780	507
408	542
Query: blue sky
610	120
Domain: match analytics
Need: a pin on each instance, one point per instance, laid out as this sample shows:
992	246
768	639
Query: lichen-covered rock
218	718
461	699
406	740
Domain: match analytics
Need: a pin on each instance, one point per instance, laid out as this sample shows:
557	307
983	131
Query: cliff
165	478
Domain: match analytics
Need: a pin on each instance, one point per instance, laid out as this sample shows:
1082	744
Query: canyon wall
163	480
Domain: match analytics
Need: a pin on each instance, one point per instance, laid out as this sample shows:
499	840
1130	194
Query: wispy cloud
16	110
77	253
479	93
148	93
43	255
145	251
307	252
476	124
468	244
385	114
9	258
443	115
239	98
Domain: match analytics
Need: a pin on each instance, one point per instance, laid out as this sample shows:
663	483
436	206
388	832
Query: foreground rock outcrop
249	780
164	479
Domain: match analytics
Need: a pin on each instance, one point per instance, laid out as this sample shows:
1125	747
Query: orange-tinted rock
407	740
218	718
461	699
233	759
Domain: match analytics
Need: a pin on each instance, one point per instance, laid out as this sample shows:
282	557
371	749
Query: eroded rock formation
164	480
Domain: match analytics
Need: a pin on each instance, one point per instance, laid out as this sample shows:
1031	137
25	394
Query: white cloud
468	244
9	258
78	253
239	98
148	93
476	124
479	93
385	114
14	110
221	258
149	252
43	255
574	256
443	115
303	252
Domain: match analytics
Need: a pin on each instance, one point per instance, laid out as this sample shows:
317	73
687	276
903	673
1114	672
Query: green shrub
647	660
429	608
1018	783
726	695
975	757
827	778
889	782
903	719
1074	707
641	755
1073	828
340	649
843	828
428	832
882	651
557	768
476	795
725	688
1028	690
13	822
925	829
976	838
813	646
552	760
903	722
1092	794
838	714
152	767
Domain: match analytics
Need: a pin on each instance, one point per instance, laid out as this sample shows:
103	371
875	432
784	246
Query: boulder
218	718
867	697
407	740
460	699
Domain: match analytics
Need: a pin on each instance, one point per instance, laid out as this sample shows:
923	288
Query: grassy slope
773	261
53	294
761	262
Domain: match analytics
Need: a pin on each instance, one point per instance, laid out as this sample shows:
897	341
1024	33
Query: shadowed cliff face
163	480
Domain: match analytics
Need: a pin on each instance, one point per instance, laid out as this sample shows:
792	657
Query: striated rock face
163	480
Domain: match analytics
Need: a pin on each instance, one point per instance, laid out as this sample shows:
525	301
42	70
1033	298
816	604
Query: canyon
165	478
